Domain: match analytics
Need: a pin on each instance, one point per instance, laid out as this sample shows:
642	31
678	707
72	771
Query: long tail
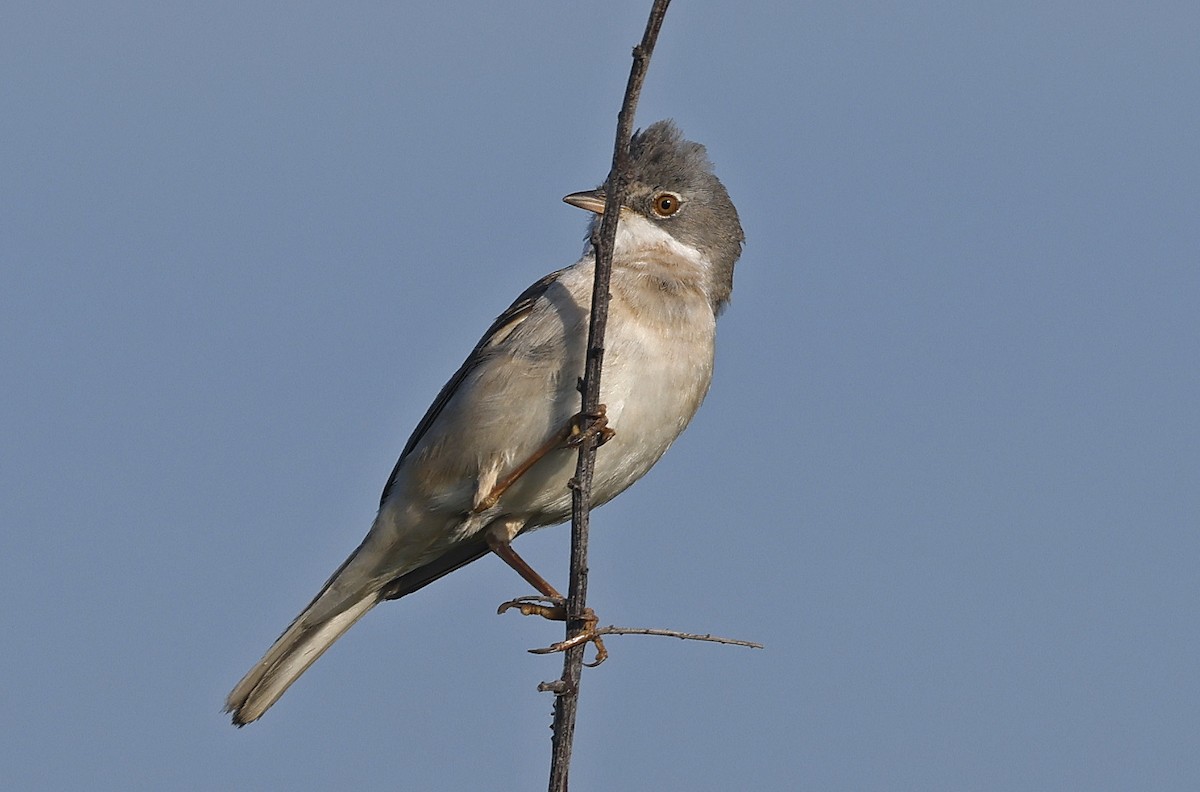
326	618
345	599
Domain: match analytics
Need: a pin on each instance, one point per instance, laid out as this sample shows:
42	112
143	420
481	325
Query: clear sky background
949	470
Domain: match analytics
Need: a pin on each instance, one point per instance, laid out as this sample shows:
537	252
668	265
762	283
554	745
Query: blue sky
947	471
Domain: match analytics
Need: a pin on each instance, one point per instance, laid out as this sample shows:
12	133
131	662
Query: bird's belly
651	387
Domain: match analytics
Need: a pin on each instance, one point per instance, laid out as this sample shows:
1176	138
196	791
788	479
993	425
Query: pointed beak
592	200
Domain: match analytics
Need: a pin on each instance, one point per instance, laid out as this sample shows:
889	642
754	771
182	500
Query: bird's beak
592	200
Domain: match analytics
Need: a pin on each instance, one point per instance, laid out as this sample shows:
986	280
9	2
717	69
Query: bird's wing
505	323
456	557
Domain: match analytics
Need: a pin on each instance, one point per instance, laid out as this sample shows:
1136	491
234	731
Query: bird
492	456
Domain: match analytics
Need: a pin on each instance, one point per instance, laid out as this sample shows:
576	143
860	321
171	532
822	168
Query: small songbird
492	456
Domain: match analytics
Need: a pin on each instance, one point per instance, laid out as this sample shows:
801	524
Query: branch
538	603
579	640
567	700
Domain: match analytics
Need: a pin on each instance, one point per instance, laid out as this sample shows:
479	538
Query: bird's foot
552	608
585	425
555	609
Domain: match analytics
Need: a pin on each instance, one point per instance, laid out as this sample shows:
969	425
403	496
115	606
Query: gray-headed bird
492	456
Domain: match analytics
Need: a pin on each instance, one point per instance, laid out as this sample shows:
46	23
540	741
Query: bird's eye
666	204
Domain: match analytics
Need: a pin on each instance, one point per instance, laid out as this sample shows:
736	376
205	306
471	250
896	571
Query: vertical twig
567	698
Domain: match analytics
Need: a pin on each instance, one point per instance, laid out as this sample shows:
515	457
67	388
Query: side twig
614	630
567	688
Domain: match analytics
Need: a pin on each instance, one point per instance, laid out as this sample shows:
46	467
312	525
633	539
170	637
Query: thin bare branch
579	640
567	698
613	630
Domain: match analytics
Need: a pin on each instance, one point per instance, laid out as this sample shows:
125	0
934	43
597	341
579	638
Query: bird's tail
327	617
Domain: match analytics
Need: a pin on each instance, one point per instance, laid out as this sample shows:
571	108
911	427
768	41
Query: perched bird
492	456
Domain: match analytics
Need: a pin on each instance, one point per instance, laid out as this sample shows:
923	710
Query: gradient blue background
948	471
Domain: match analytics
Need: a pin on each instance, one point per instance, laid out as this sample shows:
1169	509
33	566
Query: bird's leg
570	436
509	556
550	605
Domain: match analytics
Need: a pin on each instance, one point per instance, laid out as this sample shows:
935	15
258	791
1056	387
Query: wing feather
500	329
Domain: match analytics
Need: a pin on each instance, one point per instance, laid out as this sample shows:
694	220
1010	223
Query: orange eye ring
666	204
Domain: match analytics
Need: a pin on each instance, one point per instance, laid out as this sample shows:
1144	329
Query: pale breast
658	367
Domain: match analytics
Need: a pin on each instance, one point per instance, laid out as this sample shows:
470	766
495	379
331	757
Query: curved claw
601	653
